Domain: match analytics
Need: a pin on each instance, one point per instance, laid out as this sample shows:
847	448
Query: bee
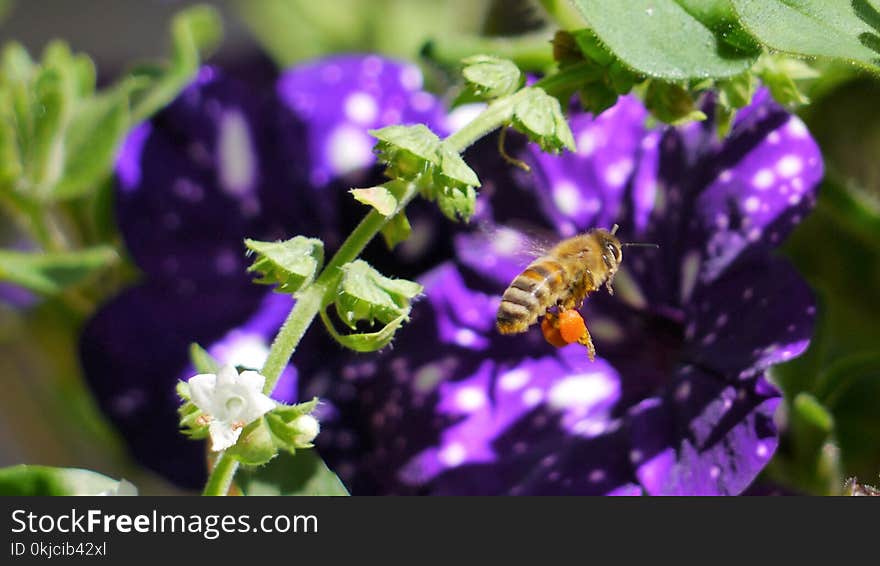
563	277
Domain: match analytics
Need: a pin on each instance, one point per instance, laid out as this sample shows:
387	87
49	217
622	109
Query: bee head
611	246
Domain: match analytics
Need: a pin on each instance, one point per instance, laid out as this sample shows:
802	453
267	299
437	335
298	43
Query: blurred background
831	418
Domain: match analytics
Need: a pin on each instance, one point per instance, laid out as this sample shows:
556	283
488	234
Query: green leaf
50	110
195	33
848	30
408	151
91	141
672	103
457	202
396	230
301	474
669	39
539	116
364	294
365	341
291	264
202	360
812	411
45	480
454	170
51	273
780	82
378	197
491	77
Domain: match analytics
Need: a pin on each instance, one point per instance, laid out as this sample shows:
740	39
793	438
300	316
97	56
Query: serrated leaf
491	77
291	264
457	202
661	38
454	168
365	341
408	151
848	30
378	197
539	116
396	230
301	474
364	294
46	480
51	273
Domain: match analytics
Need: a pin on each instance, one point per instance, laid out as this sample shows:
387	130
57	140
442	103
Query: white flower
307	428
229	402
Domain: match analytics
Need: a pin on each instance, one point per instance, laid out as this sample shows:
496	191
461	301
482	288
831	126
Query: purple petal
194	181
758	314
704	436
588	188
343	97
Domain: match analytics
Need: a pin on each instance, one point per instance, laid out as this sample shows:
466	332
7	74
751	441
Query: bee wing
499	252
517	241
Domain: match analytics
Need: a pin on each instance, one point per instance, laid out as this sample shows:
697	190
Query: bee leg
587	341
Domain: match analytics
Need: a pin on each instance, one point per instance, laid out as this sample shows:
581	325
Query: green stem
221	476
310	302
564	14
530	52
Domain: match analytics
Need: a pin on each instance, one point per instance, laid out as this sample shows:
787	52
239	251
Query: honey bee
563	277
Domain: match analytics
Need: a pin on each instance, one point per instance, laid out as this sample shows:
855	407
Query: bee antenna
614	229
640	245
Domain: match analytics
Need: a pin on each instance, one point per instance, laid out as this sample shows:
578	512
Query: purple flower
679	400
221	163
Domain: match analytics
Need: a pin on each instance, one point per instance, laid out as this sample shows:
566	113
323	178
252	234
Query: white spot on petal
513	380
349	149
566	197
361	108
452	454
470	399
236	158
789	166
532	396
752	204
580	391
797	128
411	77
586	143
763	179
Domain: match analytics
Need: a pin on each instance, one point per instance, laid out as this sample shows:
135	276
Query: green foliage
490	77
58	137
301	474
672	103
416	154
364	294
816	28
291	264
46	480
282	429
668	39
539	116
51	273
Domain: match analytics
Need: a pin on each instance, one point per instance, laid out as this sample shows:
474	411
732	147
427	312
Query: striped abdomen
530	295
